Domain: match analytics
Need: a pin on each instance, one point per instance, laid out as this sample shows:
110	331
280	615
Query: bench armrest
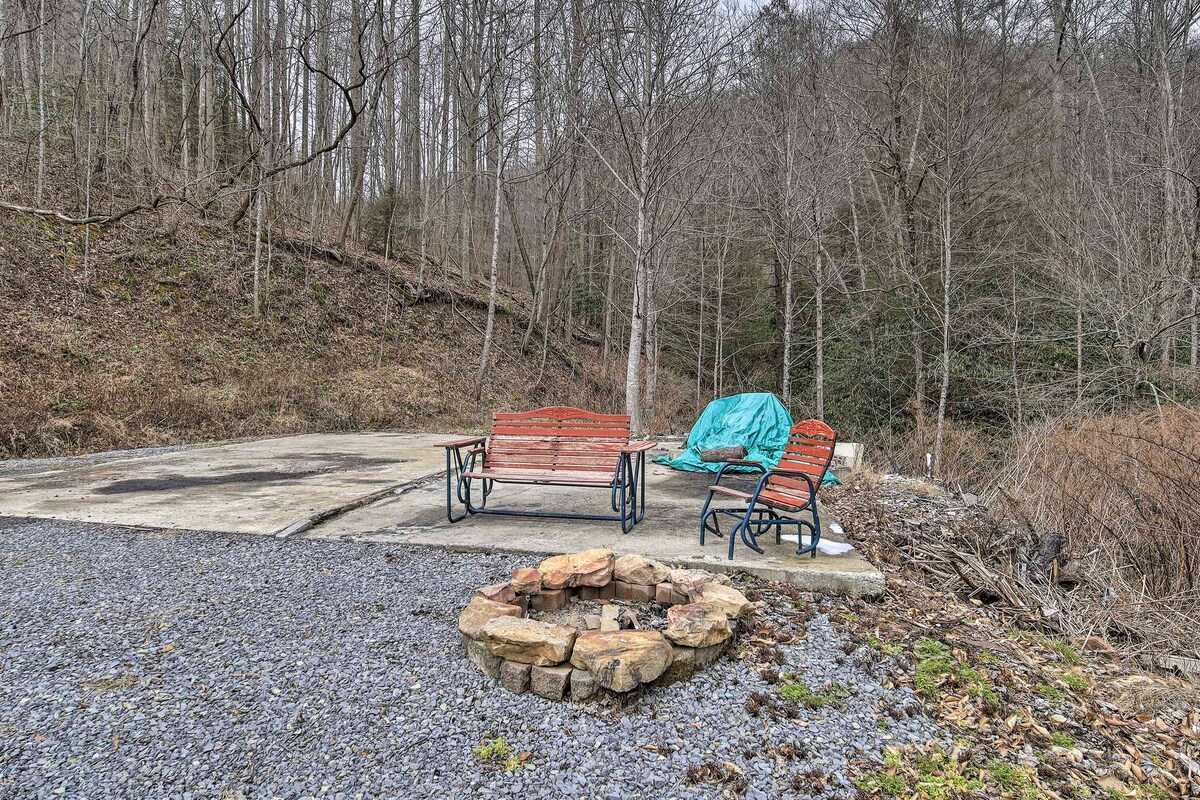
457	443
638	447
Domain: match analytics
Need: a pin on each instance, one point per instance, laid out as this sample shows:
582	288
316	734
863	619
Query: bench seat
562	477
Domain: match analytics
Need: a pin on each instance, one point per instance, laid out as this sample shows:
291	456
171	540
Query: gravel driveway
138	664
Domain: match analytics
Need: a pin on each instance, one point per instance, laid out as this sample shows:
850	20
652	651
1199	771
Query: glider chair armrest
744	462
737	462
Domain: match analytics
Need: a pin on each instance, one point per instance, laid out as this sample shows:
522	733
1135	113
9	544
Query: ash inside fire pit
595	615
588	622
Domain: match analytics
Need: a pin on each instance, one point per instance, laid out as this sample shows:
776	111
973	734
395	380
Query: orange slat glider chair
783	492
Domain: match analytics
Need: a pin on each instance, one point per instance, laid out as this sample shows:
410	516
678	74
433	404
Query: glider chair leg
743	530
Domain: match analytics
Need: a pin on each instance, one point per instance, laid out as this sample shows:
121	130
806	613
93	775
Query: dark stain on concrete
169	483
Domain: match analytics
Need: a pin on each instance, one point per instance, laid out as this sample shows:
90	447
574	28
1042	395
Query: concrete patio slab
669	532
262	487
387	487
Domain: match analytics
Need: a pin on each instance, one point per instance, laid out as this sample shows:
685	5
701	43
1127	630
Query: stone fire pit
588	621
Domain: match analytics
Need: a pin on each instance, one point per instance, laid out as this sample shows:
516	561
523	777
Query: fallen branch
106	218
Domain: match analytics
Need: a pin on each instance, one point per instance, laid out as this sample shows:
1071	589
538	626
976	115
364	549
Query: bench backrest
558	437
809	450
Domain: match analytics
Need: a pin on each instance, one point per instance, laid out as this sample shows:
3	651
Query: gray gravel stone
152	665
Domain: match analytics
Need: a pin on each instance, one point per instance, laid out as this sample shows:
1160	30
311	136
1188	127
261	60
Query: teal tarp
757	421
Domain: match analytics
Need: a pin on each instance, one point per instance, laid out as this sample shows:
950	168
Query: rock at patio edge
640	570
697	625
621	660
480	611
588	568
528	641
728	599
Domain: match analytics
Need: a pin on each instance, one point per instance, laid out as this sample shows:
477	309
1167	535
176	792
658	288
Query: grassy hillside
144	333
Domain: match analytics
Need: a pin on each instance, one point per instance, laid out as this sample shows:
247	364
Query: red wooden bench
555	446
784	491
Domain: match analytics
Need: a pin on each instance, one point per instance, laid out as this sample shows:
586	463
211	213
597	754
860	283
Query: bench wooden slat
509	466
562	413
543	476
801	466
554	423
552	443
595	434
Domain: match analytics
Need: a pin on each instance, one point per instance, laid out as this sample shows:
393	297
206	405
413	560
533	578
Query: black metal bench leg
454	485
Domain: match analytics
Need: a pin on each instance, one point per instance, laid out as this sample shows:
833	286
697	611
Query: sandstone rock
640	570
550	682
526	581
610	617
550	600
591	621
528	641
668	595
605	592
707	655
685	580
583	685
482	658
683	666
697	625
621	660
633	592
728	599
514	676
480	611
588	568
686	660
498	592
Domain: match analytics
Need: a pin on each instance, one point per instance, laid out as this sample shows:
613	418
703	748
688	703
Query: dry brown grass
970	456
1125	492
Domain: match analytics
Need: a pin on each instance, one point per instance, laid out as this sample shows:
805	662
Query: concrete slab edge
850	583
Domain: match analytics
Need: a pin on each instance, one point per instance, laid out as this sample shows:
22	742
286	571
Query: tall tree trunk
819	326
493	289
944	393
